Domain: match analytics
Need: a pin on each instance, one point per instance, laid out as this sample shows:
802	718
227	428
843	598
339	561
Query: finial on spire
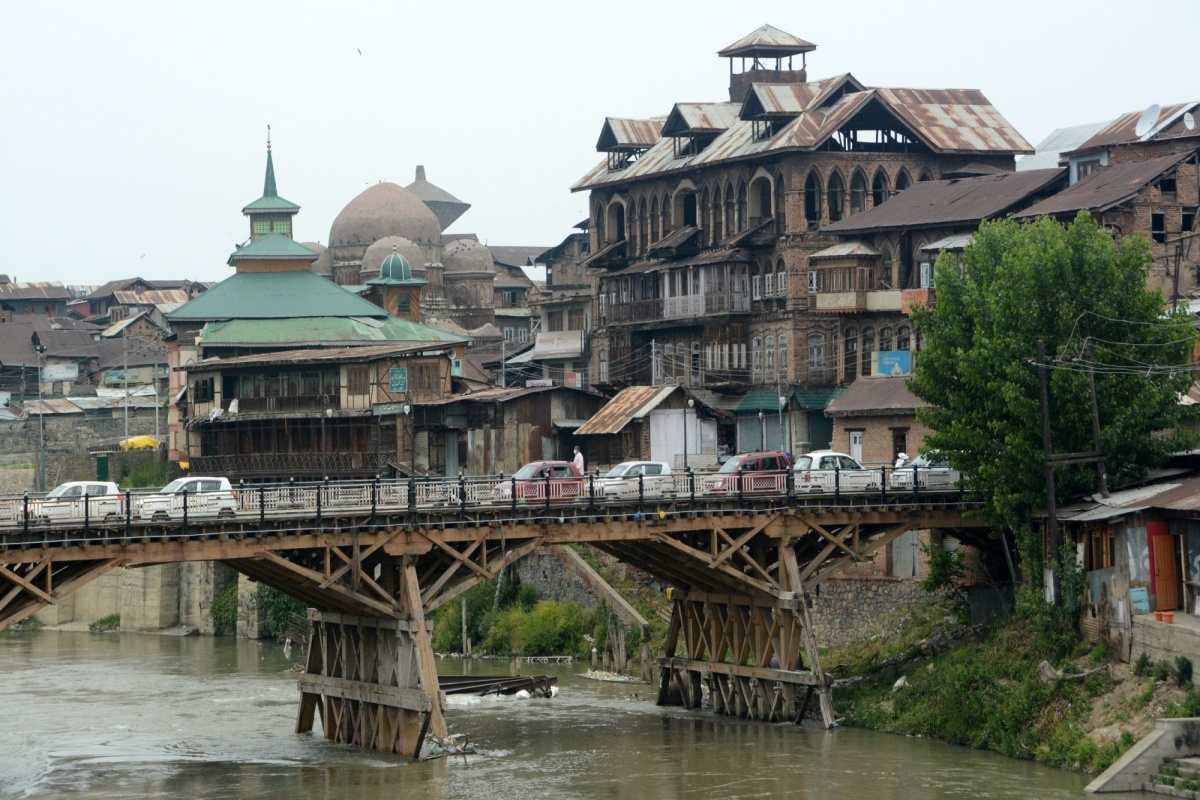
268	138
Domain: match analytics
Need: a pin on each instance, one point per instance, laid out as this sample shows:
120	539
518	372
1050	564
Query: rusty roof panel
767	41
1122	130
1105	187
956	120
629	134
960	200
875	397
632	403
689	118
151	296
36	290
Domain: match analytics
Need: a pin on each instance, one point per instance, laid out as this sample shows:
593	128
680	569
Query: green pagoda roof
318	332
274	246
275	296
270	201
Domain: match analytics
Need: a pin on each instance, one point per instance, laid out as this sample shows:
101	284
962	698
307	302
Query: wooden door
1165	571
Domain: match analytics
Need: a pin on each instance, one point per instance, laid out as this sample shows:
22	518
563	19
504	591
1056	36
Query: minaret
270	212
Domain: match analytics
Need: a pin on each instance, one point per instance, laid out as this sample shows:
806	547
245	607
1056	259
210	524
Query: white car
65	503
932	472
821	471
204	497
622	480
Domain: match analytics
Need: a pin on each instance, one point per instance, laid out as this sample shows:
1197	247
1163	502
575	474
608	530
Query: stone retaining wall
848	609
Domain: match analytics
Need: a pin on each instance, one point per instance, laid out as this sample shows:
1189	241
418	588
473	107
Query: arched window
835	352
779	208
879	188
756	359
812	200
769	359
640	229
868	347
902	181
780	278
903	335
858	193
760	200
816	355
705	214
925	176
603	366
655	231
885	269
781	346
718	216
664	211
616	221
742	218
885	339
851	352
731	217
837	197
684	208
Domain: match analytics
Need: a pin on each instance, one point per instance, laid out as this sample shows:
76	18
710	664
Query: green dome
395	267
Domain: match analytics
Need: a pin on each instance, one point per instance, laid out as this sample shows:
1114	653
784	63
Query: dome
395	267
384	209
467	256
377	252
324	263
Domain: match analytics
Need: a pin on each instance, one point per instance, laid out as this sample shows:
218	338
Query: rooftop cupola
765	56
270	213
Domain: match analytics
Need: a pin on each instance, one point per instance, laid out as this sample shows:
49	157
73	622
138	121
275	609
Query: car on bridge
622	480
76	501
751	473
930	471
827	471
195	496
532	481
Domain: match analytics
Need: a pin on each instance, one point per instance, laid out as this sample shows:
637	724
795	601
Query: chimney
420	173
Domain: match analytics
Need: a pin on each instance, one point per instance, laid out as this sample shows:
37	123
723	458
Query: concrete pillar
252	617
150	598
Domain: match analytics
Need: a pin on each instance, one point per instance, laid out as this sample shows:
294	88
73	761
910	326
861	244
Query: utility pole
503	365
41	354
1047	452
125	378
1100	466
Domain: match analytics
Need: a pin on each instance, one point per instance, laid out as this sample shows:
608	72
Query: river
144	716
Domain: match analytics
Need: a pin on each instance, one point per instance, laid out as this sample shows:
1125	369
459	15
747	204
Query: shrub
224	611
109	622
1183	671
279	608
150	473
1141	667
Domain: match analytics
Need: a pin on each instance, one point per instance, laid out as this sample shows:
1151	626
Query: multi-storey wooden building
703	221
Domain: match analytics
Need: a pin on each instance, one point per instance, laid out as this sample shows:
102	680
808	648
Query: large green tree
1068	286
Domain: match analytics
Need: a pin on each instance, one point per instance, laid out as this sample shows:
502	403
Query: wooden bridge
373	559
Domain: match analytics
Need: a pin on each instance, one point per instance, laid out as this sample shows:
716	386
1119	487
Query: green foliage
1162	671
109	622
1183	671
550	628
279	608
946	569
1141	667
224	611
1020	283
148	473
1190	707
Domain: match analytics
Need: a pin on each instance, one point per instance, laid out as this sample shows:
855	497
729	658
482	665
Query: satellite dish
1189	121
1147	121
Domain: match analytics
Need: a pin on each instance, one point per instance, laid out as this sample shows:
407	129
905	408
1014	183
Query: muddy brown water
143	716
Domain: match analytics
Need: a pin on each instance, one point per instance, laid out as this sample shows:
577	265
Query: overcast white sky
133	133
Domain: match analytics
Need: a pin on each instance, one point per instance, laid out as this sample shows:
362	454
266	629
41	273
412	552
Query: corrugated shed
1048	151
875	396
632	403
961	200
852	249
1105	187
1178	495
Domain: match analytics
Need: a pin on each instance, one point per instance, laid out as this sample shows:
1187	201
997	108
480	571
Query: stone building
703	221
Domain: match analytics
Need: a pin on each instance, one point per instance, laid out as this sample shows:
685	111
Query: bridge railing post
740	477
87	521
837	484
883	484
789	486
916	484
374	498
547	493
691	479
513	496
320	491
412	500
128	514
185	511
641	493
25	512
592	493
462	496
262	507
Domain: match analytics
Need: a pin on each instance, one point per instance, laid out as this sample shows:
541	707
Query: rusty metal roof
692	118
675	239
632	403
875	396
621	133
767	41
152	297
956	120
36	290
504	395
1105	187
318	355
1122	130
1179	494
955	201
851	249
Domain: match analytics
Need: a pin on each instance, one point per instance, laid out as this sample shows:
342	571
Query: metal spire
269	189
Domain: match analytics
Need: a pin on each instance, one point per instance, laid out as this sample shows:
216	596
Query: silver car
823	471
622	480
932	473
203	497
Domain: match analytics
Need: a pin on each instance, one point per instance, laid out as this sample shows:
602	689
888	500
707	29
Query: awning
632	403
956	242
569	423
561	344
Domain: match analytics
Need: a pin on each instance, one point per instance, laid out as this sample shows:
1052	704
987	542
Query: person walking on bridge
578	460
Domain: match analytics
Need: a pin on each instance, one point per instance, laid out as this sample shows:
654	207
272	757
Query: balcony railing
281	464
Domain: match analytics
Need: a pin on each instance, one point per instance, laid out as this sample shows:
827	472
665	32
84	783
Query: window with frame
1101	543
523	334
757	287
202	390
357	379
770	284
903	340
604	366
554	321
781	279
781	348
769	357
404	303
756	358
575	319
1158	227
899	442
261	226
812	281
508	334
427	379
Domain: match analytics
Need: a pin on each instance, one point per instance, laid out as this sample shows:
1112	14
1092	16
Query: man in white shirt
578	461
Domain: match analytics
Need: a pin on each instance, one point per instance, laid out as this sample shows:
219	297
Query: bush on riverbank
279	609
224	611
988	694
109	622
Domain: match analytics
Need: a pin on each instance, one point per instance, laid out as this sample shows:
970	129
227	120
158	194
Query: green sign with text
398	380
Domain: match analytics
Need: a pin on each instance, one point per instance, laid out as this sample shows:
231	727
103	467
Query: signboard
563	344
60	372
572	380
893	362
539	382
398	380
387	409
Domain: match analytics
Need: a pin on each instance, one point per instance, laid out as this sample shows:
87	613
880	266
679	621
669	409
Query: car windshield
58	491
526	471
173	486
928	460
804	462
731	465
619	470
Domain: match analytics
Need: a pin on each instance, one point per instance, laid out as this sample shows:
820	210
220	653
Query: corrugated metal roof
691	118
35	290
516	255
851	249
1122	130
317	332
1181	495
275	295
51	407
632	403
960	200
620	133
875	396
956	120
1048	151
957	241
1105	187
318	355
273	247
503	395
675	239
816	399
151	297
767	41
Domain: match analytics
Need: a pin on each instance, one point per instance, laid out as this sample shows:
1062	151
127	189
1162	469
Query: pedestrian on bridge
578	460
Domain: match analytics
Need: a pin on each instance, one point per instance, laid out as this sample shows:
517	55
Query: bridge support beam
752	654
374	679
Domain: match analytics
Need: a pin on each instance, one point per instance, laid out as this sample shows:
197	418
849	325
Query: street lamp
326	411
782	439
406	410
691	403
41	352
762	424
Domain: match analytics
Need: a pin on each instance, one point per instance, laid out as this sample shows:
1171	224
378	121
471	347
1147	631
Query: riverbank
1022	689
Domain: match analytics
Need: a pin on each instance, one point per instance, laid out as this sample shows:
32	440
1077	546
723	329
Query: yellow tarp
139	443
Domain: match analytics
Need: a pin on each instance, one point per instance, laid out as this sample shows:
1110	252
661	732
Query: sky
133	133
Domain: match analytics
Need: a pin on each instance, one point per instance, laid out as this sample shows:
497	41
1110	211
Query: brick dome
466	256
377	252
324	263
383	210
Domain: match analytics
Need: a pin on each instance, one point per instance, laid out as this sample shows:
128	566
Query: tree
1014	285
